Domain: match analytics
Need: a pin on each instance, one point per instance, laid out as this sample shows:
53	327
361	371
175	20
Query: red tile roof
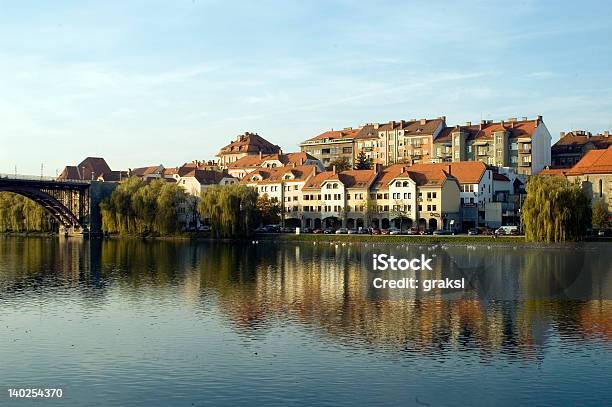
350	178
250	143
252	161
561	172
484	131
594	162
579	139
277	174
466	172
347	134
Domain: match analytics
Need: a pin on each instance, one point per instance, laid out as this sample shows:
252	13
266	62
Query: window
347	150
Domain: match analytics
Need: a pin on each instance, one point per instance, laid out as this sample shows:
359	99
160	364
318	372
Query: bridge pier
73	231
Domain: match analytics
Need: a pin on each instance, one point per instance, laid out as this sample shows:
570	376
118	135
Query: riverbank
426	239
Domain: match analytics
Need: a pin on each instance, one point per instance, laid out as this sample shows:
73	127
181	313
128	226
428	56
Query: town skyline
168	84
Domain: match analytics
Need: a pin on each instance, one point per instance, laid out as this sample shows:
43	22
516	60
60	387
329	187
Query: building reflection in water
515	301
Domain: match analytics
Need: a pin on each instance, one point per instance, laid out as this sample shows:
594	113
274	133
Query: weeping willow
232	210
555	210
138	208
20	214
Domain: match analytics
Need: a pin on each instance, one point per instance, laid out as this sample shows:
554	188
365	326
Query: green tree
555	210
232	210
20	214
601	215
363	162
341	164
398	212
269	211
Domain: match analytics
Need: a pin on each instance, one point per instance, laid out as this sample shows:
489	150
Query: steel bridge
67	201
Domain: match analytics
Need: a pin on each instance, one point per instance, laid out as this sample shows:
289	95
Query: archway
384	223
359	223
317	223
433	223
293	223
332	222
375	223
350	223
422	223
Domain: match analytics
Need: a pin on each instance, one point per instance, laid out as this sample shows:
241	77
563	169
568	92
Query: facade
332	145
594	172
247	144
248	164
572	146
523	145
196	181
400	141
283	185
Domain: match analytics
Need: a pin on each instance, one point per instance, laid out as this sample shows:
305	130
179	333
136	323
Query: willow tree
601	215
555	210
232	210
20	214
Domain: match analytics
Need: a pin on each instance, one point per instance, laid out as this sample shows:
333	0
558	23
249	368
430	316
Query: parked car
352	231
485	231
305	230
317	231
394	231
426	231
375	231
473	231
506	230
384	231
413	231
363	231
287	229
441	232
329	231
604	232
342	231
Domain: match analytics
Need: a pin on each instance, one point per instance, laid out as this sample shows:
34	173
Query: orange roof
206	177
251	161
250	143
466	172
350	178
484	131
554	172
348	134
579	139
277	174
594	162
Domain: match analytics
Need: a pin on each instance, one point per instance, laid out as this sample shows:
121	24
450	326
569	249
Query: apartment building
247	144
248	164
523	145
334	199
283	185
332	145
196	181
572	146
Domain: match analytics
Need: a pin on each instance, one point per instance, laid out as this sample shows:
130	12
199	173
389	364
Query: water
119	323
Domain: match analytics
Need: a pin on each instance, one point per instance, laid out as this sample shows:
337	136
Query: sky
165	82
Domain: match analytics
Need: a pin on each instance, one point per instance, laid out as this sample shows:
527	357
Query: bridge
74	204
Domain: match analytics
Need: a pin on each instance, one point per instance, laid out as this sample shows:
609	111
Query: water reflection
516	300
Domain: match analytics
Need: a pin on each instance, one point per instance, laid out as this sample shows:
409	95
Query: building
147	173
283	185
523	145
594	171
248	164
399	141
247	144
335	199
113	176
88	169
572	146
332	145
196	181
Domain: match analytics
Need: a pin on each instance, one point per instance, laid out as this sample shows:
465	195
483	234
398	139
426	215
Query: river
179	323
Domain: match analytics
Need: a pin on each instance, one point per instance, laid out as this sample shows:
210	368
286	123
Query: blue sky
148	82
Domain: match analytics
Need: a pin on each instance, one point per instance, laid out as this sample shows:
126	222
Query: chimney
606	133
501	123
562	134
468	123
260	155
301	160
423	122
376	126
539	118
392	124
334	169
402	123
443	118
480	125
378	168
524	118
483	121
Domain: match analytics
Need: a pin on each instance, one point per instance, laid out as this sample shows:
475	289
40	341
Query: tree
400	213
363	162
555	210
601	215
20	214
269	211
341	164
232	209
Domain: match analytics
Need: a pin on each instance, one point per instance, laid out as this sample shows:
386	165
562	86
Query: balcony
525	164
